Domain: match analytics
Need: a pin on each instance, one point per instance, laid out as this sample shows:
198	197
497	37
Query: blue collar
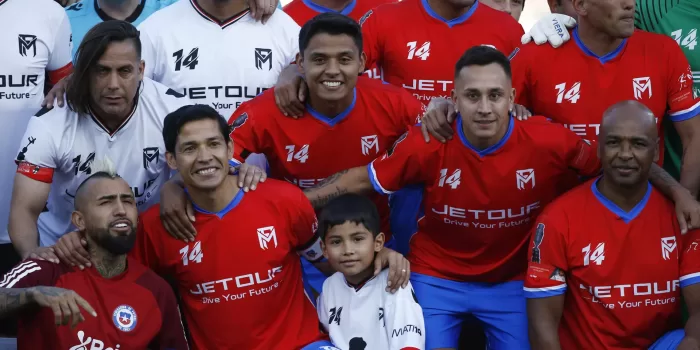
488	150
603	59
320	9
452	22
333	121
608	204
234	202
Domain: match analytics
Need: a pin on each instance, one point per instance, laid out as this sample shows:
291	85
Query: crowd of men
349	174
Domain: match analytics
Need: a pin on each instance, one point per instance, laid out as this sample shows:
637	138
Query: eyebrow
114	196
214	138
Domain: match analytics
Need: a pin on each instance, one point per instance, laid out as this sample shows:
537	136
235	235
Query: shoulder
330	285
498	18
150	215
571	203
372	87
258	109
169	99
265	101
386	10
162	18
650	40
81	9
156	5
294	5
41	271
278	192
149	280
281	22
46	8
56	118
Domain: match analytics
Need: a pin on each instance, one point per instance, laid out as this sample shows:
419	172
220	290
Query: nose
204	155
507	7
119	209
113	81
625	151
484	106
628	5
332	67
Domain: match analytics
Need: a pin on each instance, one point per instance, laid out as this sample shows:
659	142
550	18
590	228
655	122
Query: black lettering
198	93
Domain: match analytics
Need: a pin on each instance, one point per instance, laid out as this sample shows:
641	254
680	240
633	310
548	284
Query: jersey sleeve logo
238	122
21	155
668	246
267	236
124	318
640	86
368	143
391	149
365	16
537	241
523	177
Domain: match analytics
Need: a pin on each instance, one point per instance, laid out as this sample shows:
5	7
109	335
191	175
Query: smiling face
331	65
201	154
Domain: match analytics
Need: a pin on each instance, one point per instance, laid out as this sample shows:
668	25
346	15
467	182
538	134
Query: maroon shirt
135	310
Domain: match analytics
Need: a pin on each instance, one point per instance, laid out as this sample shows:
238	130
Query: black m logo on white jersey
150	154
27	42
263	56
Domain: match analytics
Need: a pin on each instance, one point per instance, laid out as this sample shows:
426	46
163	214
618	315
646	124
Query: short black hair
349	207
92	47
483	56
176	120
330	23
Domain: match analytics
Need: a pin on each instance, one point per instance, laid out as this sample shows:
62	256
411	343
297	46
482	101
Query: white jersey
35	38
222	64
68	143
369	317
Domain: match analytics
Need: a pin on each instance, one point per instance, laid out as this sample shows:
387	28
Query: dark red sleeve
305	225
32	273
144	250
580	154
172	333
371	38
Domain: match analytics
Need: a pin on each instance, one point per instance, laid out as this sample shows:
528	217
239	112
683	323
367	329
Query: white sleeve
404	320
62	46
149	55
292	31
321	310
38	145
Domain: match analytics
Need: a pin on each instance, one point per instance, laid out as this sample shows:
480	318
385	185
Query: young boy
354	306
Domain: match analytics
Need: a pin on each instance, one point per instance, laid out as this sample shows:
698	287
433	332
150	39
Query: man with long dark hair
111	111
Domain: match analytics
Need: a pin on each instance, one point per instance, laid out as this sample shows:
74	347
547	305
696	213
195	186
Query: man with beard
124	304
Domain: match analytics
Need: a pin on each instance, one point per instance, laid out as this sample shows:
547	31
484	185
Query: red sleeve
690	258
244	133
681	102
144	251
408	109
370	37
580	154
172	332
56	75
31	273
547	262
520	69
404	163
305	225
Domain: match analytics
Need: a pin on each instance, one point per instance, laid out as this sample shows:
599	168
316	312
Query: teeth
206	171
120	225
331	83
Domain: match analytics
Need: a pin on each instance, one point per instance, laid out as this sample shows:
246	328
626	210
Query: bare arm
13	300
665	183
543	316
691	295
28	200
355	180
689	132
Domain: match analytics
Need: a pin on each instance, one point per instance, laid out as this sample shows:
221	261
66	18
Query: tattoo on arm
321	194
663	180
321	201
329	180
12	299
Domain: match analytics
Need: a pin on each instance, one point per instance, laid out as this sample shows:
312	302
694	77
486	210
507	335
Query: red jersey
240	280
302	11
135	310
573	86
417	49
476	224
620	270
305	151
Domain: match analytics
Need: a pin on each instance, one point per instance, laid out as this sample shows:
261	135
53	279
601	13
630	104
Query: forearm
325	267
23	231
690	169
665	183
176	180
13	300
692	327
544	338
355	180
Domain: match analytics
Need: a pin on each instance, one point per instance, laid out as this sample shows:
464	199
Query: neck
119	9
481	143
107	264
111	121
624	197
223	9
331	109
446	10
335	5
217	199
597	41
360	277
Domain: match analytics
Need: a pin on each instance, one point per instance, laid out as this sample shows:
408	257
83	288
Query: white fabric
552	28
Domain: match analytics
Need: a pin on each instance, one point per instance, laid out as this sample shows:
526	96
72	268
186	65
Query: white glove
552	28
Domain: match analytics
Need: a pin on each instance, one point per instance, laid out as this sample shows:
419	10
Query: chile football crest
124	317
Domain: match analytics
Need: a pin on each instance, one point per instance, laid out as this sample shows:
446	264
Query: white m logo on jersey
267	235
369	143
641	85
668	245
522	177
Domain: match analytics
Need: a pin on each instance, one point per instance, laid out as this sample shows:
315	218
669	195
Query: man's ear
78	220
170	159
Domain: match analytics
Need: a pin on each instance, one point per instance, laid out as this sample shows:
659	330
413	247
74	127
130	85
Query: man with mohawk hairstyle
105	303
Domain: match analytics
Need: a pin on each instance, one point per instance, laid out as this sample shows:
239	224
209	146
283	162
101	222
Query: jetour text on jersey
261	285
487	219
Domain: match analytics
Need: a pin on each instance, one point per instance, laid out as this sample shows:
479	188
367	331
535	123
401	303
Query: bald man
607	262
116	292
